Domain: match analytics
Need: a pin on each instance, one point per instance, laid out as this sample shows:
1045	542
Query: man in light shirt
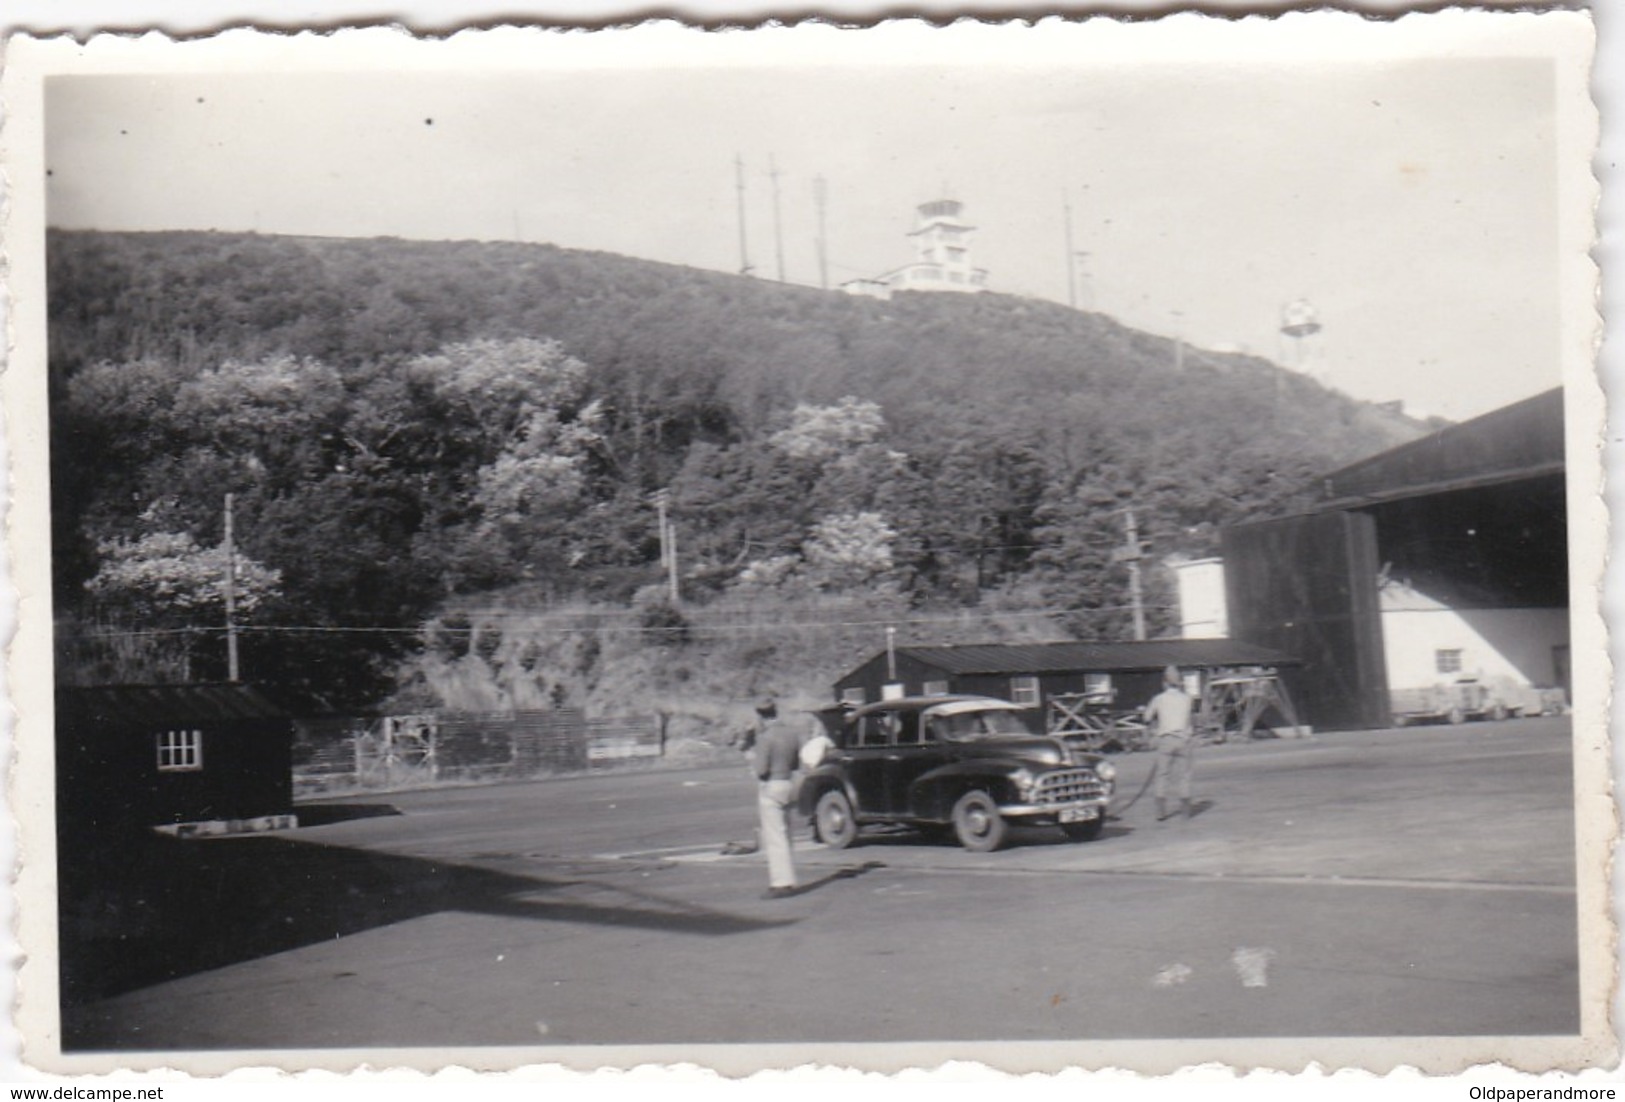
776	756
1168	717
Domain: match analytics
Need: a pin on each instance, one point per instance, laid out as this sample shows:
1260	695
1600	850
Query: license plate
1079	814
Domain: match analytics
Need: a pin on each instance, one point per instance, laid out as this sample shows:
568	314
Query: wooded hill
413	428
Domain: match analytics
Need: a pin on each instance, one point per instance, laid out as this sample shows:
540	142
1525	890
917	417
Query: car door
867	747
916	750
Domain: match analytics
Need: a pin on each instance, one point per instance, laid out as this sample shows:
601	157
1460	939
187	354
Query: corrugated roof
1152	654
141	705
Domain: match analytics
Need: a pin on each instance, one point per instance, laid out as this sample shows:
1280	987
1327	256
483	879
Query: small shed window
180	751
854	696
1448	661
1024	691
934	688
1098	685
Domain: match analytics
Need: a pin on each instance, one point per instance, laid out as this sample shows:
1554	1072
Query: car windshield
993	723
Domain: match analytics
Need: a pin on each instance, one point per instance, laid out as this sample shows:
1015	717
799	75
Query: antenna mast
739	185
1071	257
821	198
778	225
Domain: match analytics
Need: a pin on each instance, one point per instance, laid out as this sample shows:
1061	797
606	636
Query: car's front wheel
1084	832
977	822
833	820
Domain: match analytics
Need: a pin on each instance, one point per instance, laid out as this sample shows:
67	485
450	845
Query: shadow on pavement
848	872
154	908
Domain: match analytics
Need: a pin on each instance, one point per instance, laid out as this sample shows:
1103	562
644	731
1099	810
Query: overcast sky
1414	203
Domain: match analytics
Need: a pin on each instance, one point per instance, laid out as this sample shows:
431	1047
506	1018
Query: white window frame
180	751
1026	692
1447	659
854	696
934	688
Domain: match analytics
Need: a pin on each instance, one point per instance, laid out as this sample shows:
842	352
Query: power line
511	618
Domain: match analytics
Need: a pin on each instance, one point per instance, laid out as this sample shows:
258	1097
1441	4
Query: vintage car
965	763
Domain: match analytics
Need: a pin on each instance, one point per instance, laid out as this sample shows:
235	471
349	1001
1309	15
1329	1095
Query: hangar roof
1510	444
1017	658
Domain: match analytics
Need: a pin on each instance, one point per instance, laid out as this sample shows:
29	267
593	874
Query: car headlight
1106	771
1024	781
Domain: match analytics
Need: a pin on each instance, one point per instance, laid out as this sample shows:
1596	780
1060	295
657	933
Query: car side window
873	731
908	729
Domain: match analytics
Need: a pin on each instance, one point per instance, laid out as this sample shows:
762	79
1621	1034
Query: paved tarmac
1391	883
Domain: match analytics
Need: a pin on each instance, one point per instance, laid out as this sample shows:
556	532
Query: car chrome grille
1069	786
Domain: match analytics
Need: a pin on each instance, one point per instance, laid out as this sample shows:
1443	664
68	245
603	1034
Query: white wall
1203	613
1499	646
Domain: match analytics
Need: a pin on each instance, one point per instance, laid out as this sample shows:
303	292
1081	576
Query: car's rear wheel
833	820
977	822
1084	832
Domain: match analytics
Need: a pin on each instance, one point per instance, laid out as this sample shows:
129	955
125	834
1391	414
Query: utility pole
671	564
1131	553
821	198
778	225
668	543
231	598
739	185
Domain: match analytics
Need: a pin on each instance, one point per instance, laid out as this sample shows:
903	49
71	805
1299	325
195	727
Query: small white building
1202	612
942	257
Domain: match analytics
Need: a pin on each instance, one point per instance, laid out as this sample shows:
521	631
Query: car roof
945	705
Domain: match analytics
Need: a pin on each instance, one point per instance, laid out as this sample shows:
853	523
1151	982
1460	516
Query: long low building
1032	674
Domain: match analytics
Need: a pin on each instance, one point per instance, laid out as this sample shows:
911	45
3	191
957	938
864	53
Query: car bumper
1076	811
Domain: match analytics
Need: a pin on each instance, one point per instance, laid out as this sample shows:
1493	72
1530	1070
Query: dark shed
151	755
1032	673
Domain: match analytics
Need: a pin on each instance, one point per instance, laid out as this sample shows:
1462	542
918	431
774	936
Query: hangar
1441	564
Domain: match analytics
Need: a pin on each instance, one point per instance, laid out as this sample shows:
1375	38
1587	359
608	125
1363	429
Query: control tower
942	259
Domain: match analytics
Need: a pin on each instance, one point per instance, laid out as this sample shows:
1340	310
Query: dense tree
165	577
849	551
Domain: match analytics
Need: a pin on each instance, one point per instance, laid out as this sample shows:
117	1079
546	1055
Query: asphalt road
1391	883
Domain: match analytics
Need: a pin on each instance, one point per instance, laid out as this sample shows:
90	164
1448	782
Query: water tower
1299	322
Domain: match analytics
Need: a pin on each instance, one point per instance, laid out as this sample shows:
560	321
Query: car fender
818	782
933	794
